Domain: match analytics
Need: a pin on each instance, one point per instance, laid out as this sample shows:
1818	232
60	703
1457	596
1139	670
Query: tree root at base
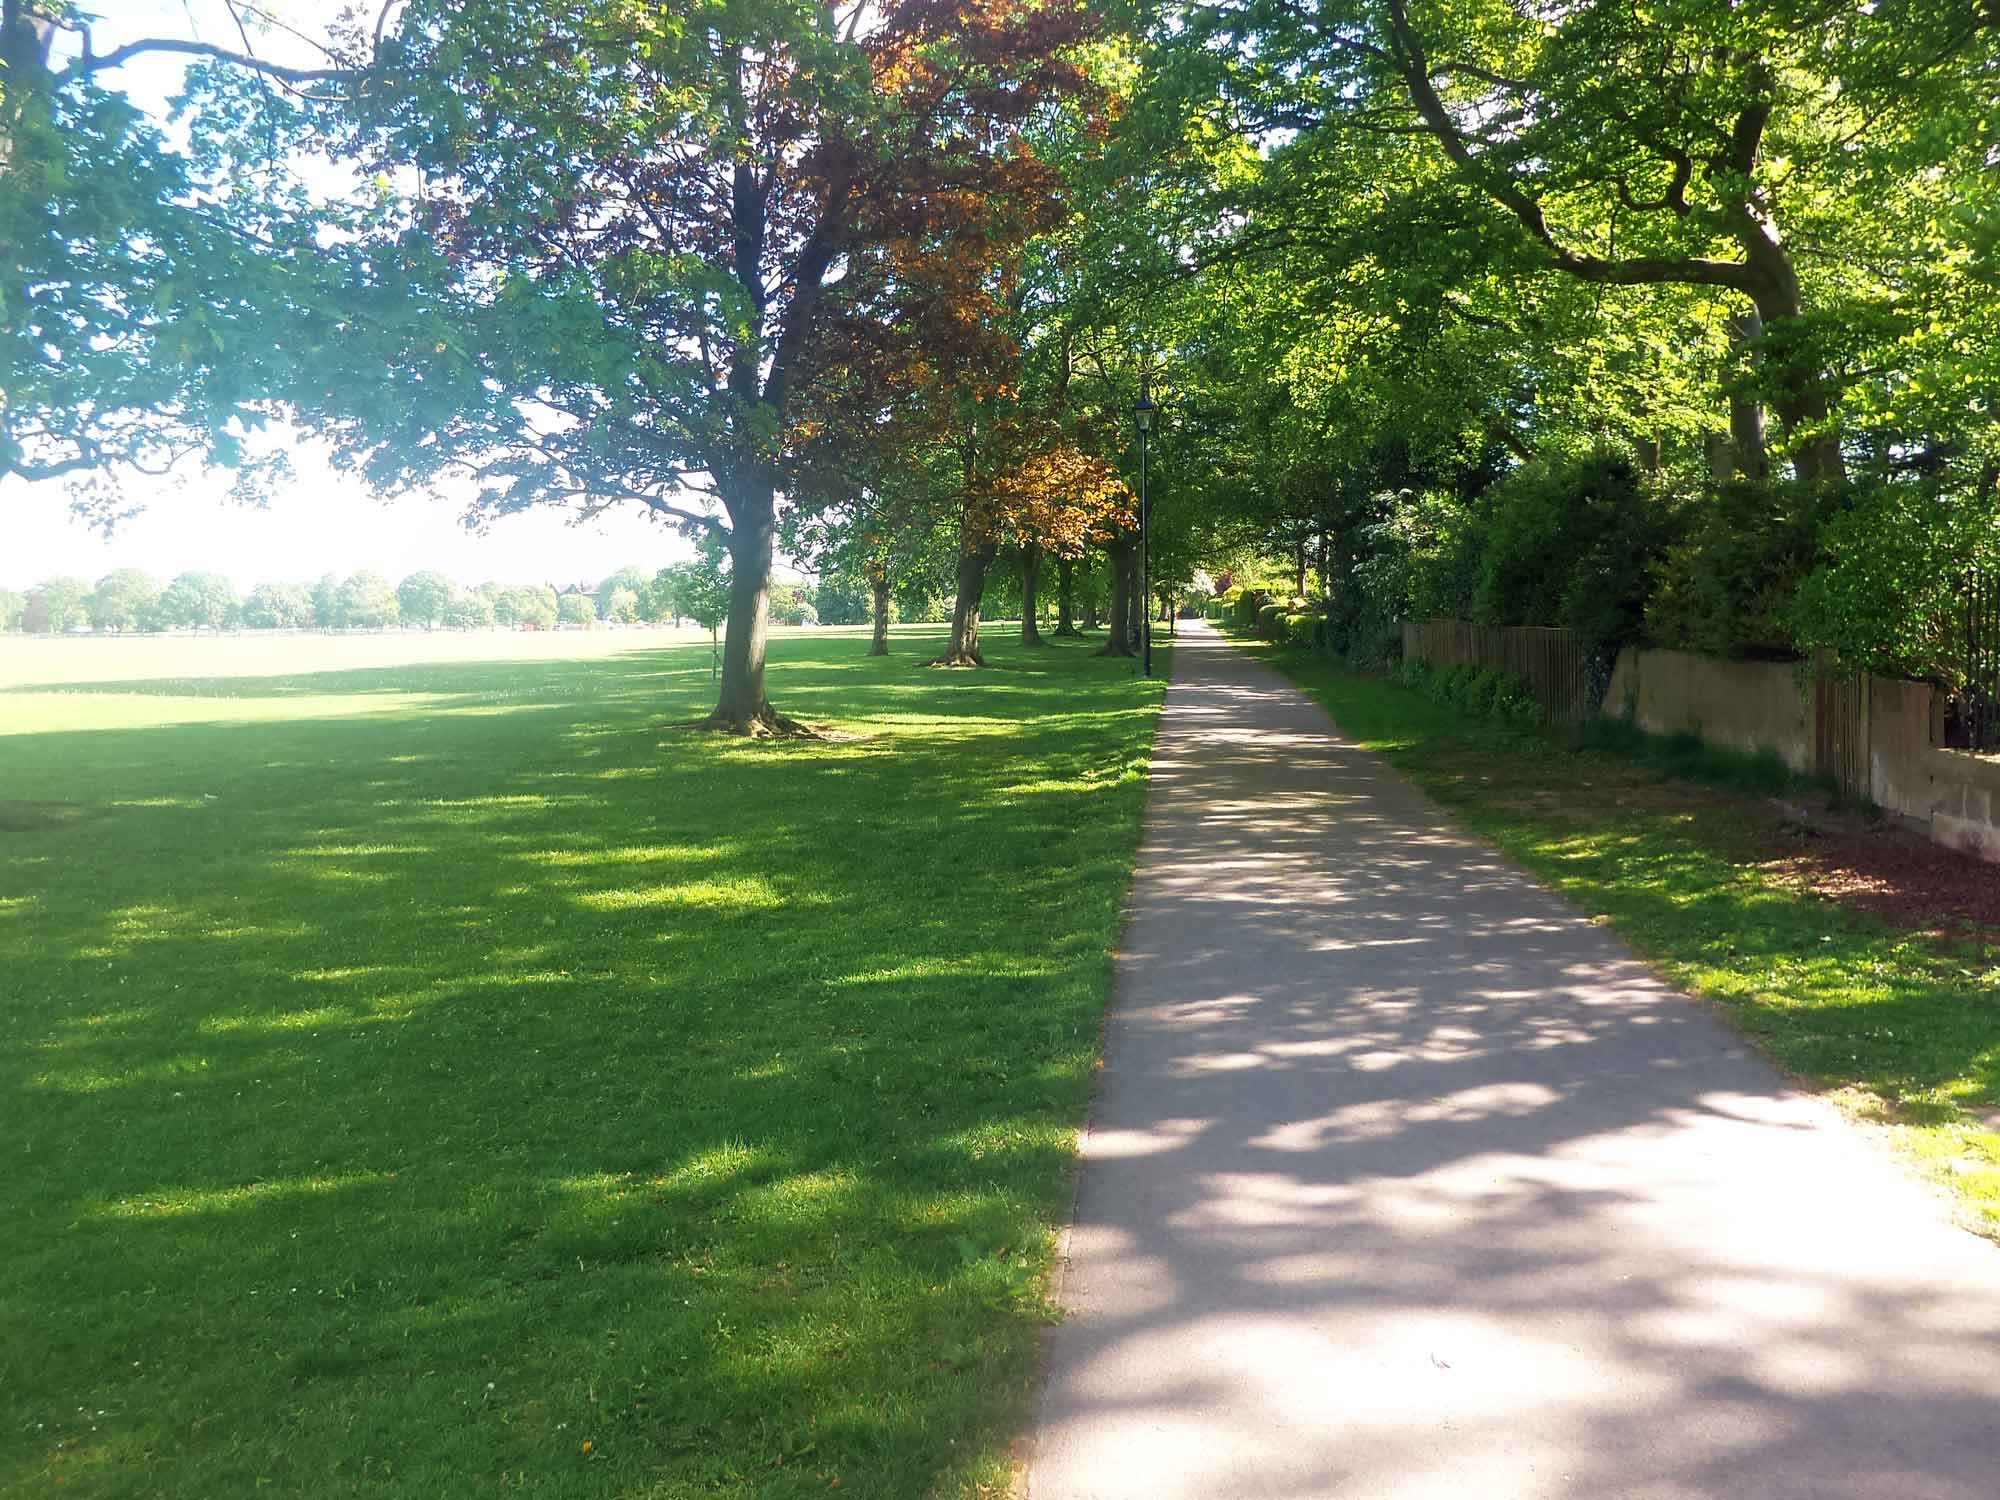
765	724
960	659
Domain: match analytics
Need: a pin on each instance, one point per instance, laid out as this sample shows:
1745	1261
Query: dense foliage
1499	302
1673	326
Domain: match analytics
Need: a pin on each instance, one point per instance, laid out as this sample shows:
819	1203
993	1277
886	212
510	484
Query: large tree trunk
740	704
878	580
1120	616
1797	380
1720	454
1299	568
973	561
1031	571
27	36
1090	620
1066	596
1750	453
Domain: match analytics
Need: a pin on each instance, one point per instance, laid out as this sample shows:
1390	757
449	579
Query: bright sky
323	522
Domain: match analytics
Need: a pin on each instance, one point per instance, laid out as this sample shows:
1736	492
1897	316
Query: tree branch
1697	270
97	62
816	257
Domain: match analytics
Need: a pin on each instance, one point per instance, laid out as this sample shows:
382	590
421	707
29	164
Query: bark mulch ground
1891	871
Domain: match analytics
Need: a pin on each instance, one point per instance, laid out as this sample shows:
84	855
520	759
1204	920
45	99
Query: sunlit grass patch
425	1069
727	894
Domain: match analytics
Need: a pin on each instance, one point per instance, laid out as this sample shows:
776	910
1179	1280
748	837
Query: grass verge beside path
1905	1030
441	1078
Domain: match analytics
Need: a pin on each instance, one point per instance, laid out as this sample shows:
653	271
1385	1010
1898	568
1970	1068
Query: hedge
1479	691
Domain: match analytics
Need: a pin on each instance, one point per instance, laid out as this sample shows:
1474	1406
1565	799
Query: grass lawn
1905	1030
436	1078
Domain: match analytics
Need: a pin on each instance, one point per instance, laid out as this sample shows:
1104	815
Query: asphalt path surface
1407	1180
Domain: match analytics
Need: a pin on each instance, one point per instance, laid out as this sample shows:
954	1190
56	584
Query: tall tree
637	243
422	598
278	606
198	601
631	580
55	605
124	600
1696	144
366	601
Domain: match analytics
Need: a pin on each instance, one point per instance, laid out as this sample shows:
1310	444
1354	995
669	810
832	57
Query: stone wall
1743	705
1753	706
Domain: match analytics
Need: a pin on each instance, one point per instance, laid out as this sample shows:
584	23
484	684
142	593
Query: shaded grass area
1905	1028
1685	756
441	1079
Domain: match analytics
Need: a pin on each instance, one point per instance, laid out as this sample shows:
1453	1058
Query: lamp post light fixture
1143	413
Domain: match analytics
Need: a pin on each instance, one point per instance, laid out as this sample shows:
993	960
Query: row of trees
603	259
1670	325
1682	322
132	600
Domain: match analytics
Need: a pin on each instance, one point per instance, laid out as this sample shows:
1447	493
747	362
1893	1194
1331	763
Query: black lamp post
1143	413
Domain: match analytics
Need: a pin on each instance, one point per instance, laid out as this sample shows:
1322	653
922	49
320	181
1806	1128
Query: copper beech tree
636	253
1023	479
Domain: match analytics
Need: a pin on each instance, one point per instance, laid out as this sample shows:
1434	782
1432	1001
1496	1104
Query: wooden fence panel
1840	731
1550	660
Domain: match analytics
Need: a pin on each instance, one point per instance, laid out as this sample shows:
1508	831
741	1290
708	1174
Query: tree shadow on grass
419	1096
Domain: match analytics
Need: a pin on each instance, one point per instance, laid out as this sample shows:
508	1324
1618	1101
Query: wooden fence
1550	660
1840	731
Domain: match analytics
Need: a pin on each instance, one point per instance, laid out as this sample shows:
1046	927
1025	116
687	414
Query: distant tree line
131	600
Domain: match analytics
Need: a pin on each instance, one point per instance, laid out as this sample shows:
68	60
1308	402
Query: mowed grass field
443	1076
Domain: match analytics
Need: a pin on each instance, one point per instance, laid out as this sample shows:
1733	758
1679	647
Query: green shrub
1885	594
1575	543
1728	588
1514	702
1483	692
1305	629
1479	692
1458	685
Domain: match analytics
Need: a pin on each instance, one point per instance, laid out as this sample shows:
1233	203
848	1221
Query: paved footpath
1405	1180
